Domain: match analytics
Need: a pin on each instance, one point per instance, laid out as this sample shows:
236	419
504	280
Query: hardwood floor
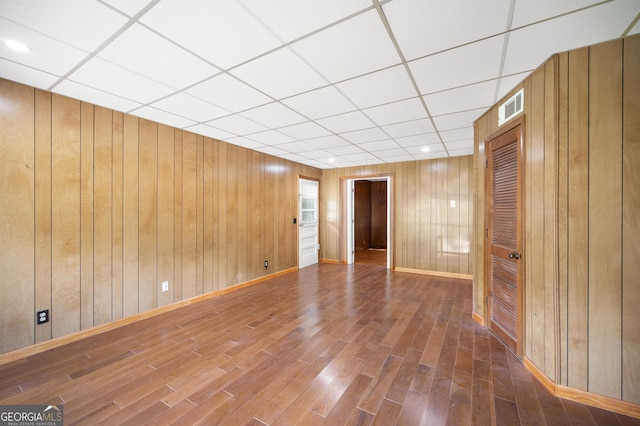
371	257
329	344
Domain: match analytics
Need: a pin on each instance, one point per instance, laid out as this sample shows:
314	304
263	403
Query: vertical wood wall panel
423	189
605	218
65	215
17	211
102	220
99	207
87	157
232	214
130	217
117	216
199	214
148	214
549	236
578	244
207	251
176	290
631	223
43	209
581	152
189	215
166	233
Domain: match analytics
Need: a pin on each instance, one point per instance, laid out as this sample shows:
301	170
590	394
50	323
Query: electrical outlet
165	285
42	316
266	264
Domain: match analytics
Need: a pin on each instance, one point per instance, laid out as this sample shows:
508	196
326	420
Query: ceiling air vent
511	108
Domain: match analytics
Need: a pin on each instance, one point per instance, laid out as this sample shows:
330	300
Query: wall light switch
165	285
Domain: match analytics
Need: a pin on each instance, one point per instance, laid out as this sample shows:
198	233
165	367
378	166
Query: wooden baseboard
583	397
332	261
478	318
89	332
435	273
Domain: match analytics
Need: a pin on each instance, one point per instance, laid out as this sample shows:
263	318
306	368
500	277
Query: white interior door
308	216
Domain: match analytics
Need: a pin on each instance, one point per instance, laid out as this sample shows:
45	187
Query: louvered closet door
504	235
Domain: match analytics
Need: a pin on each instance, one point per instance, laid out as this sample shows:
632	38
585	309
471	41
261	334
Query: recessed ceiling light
17	46
332	160
425	149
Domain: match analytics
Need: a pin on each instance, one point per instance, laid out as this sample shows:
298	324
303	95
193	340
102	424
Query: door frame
347	242
298	218
520	290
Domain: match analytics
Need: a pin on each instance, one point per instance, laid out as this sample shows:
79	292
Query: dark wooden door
504	233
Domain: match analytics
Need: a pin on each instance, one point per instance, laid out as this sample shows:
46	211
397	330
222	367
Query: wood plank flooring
329	344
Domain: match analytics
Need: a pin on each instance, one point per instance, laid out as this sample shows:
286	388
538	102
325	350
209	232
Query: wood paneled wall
582	197
431	232
98	207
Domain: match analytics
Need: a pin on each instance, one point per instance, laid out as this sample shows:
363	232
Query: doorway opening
369	220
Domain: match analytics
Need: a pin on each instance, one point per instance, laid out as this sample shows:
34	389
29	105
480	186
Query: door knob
514	255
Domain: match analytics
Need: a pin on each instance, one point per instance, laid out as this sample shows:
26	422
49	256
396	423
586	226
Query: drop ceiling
332	83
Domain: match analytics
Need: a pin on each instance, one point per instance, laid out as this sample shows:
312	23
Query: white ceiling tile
461	99
418	140
111	78
367	135
424	27
274	115
279	74
189	106
409	109
318	154
229	93
428	155
296	147
95	96
270	137
306	130
220	31
425	148
80	23
293	157
325	142
526	13
353	47
379	88
246	143
457	120
26	75
291	19
531	46
130	7
457	67
461	144
318	164
46	54
137	50
398	158
508	83
409	128
320	103
379	145
341	162
271	150
345	150
460	152
346	122
203	129
237	124
162	117
363	156
457	134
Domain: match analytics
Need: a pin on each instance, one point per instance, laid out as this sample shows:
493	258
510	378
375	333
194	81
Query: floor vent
511	108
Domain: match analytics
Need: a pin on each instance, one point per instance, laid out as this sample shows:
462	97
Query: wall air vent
511	108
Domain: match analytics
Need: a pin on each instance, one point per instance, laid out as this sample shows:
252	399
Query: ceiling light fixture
425	149
17	46
332	160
